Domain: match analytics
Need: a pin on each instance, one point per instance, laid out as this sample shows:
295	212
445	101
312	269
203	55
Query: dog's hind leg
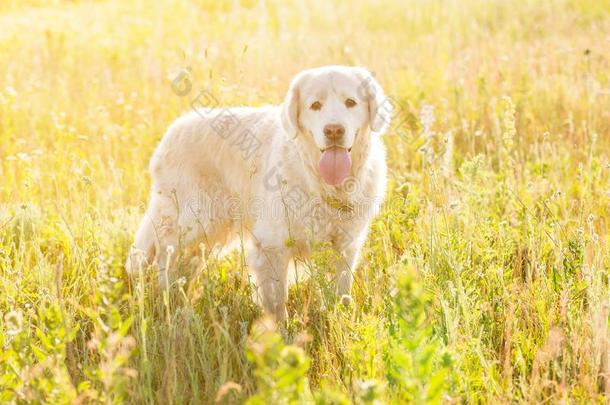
156	238
142	251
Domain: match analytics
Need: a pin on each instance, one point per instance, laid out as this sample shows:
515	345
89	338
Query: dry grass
485	279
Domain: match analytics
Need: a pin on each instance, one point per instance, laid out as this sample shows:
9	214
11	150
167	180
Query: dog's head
333	103
334	107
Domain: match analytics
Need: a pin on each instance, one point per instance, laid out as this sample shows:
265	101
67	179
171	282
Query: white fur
209	186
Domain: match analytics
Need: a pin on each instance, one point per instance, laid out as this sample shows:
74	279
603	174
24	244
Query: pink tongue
335	165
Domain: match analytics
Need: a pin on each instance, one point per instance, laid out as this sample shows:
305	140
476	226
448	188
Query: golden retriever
281	178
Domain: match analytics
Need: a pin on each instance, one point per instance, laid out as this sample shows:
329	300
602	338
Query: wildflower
181	282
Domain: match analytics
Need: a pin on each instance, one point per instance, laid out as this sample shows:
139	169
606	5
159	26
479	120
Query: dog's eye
316	106
349	103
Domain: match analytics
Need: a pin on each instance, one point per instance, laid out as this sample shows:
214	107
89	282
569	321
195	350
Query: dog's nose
334	131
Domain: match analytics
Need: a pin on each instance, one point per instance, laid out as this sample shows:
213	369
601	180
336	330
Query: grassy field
484	280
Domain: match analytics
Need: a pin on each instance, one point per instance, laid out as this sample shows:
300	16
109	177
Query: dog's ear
290	107
380	107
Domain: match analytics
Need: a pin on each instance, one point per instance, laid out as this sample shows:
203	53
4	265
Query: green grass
485	279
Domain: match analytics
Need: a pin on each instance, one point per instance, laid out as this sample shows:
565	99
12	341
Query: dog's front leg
348	251
270	267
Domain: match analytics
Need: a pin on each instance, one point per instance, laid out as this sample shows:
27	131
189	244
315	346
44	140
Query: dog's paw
346	300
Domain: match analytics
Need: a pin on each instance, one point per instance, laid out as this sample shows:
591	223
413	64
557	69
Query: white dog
280	177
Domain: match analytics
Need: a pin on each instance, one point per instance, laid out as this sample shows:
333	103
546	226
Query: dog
281	178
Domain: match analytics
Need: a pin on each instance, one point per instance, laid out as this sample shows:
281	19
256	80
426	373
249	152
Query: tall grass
485	278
